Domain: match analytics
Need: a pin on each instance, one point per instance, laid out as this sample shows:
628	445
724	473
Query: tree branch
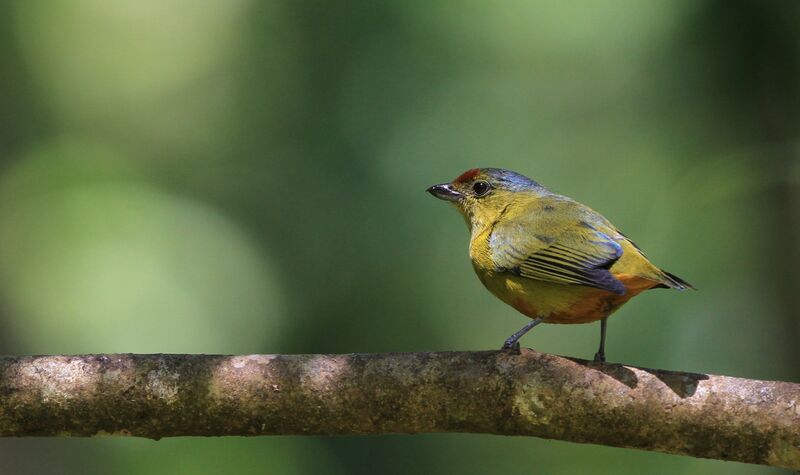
494	392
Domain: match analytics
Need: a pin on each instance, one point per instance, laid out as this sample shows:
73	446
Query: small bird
553	259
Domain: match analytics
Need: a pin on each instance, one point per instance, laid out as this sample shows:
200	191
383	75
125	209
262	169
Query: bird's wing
562	247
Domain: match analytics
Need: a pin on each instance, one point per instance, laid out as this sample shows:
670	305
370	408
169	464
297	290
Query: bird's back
547	227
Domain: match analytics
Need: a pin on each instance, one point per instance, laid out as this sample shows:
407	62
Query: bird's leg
511	342
600	356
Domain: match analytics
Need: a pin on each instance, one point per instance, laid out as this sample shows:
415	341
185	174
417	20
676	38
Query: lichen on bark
493	392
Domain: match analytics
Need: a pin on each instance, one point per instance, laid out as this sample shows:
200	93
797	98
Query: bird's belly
559	303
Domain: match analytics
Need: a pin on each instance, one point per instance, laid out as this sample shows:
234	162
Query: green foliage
241	177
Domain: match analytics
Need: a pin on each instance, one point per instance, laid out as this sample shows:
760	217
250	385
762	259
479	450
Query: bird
550	257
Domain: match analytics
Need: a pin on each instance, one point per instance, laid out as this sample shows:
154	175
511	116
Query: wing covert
576	254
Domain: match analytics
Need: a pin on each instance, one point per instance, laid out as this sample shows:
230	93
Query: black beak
445	192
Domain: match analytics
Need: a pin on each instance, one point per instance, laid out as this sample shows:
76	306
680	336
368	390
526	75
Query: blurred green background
248	177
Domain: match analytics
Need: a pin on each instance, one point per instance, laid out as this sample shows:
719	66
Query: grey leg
511	341
600	356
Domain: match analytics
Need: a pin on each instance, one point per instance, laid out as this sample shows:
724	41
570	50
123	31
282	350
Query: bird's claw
599	357
511	344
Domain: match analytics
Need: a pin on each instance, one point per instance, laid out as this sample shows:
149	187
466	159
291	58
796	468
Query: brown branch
492	392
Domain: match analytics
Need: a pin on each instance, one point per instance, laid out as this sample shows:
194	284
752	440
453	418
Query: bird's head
483	193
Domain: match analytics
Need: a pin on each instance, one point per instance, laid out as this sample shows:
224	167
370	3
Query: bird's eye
481	188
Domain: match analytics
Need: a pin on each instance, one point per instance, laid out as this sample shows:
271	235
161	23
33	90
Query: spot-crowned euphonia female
553	259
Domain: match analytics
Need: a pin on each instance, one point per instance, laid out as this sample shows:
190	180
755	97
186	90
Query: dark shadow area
620	372
683	384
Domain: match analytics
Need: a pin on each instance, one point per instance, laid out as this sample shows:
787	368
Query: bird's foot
511	344
600	357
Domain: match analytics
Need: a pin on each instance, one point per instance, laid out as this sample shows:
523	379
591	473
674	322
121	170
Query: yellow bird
553	259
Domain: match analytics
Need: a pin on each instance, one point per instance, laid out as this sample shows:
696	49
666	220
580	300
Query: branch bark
493	392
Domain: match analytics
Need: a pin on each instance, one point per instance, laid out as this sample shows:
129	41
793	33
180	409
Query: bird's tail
672	281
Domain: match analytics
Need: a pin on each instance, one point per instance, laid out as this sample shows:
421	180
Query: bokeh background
248	176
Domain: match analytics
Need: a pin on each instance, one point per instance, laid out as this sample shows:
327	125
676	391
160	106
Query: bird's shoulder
556	239
548	218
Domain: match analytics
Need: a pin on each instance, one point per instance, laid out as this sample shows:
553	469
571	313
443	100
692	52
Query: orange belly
588	305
